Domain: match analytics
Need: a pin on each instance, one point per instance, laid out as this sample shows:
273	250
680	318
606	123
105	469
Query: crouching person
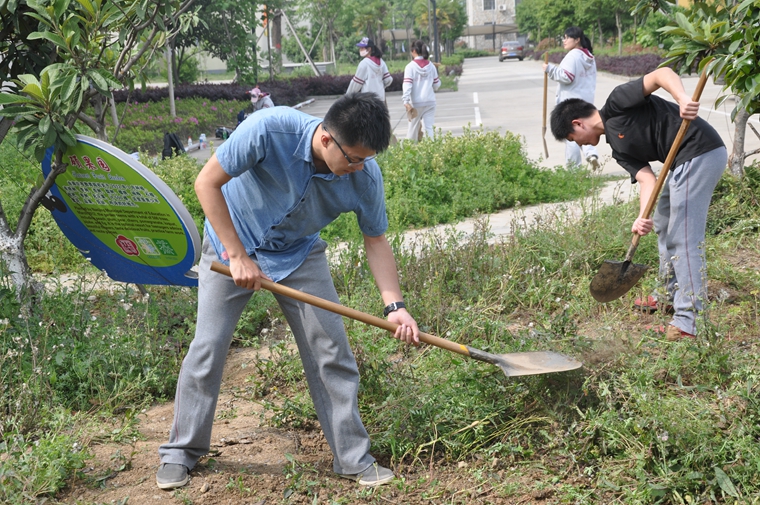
641	127
267	192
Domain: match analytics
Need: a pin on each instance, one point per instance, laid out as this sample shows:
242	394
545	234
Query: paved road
509	96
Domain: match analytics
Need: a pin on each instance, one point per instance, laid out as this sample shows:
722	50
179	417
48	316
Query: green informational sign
122	216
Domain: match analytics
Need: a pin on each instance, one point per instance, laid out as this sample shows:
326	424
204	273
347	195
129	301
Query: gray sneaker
170	476
375	475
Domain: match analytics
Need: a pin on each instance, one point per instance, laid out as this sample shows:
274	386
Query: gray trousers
330	366
680	221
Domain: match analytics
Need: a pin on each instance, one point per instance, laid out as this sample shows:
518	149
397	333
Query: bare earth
252	463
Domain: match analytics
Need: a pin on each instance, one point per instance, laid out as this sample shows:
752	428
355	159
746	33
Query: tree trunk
114	113
619	25
635	29
736	160
170	79
100	132
277	40
601	33
14	259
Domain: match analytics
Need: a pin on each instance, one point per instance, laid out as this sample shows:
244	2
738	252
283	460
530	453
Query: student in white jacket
576	75
420	84
372	74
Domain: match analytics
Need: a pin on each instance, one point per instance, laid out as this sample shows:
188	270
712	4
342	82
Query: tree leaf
87	6
34	91
724	481
98	81
52	37
68	138
45	124
28	79
18	111
49	138
69	87
6	98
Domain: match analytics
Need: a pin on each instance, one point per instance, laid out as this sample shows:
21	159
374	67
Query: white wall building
496	16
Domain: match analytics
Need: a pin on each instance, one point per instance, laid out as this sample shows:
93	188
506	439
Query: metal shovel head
615	279
527	363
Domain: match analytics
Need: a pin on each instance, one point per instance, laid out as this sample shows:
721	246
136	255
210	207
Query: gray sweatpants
680	221
330	366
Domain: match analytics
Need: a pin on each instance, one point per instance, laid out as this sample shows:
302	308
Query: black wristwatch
393	307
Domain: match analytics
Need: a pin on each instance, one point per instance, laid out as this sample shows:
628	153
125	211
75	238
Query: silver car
511	49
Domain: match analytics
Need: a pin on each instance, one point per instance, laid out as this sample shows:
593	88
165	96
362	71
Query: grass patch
645	421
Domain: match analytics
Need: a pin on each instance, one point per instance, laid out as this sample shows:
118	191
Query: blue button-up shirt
277	200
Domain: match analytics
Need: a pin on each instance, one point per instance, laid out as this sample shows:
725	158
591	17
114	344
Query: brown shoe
674	334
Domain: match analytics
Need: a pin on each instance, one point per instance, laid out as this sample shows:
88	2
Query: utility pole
436	49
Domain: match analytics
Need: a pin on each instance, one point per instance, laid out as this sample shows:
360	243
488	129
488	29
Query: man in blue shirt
267	192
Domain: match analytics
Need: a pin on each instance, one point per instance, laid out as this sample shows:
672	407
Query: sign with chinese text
122	217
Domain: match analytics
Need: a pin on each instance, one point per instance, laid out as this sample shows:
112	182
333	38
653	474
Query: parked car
511	49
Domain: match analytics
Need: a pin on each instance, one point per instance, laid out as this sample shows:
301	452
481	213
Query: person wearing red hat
372	74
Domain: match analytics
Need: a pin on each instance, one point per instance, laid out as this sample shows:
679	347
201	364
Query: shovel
546	86
615	278
513	364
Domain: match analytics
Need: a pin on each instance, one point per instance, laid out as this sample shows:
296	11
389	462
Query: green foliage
449	178
34	467
179	173
735	203
472	53
144	124
455	59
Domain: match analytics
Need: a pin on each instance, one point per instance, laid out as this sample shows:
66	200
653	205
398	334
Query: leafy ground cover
645	421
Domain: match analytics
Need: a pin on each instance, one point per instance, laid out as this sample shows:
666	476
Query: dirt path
251	463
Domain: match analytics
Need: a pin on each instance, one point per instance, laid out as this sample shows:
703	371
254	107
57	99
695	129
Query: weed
238	485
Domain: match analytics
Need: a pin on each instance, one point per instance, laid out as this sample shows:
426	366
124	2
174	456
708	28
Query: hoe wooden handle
345	311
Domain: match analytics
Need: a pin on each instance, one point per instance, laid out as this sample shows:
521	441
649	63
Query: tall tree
228	32
97	46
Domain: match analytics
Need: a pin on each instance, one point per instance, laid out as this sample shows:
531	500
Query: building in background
490	22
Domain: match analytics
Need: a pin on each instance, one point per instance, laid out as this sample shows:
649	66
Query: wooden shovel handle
546	86
345	311
668	163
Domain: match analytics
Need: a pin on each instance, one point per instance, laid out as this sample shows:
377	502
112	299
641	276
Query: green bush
144	124
472	53
455	59
735	203
449	178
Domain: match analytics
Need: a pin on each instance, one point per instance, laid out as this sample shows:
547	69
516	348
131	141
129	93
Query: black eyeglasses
350	162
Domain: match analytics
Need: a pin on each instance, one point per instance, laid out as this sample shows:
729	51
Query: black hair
360	119
576	33
421	49
373	49
565	113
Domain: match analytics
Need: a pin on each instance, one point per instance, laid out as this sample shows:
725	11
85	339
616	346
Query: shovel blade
614	279
527	363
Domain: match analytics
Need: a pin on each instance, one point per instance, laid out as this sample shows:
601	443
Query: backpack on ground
172	146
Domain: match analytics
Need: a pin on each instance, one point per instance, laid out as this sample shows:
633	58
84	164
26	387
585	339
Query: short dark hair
566	112
360	119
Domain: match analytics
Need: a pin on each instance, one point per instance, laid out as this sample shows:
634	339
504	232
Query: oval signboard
122	217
